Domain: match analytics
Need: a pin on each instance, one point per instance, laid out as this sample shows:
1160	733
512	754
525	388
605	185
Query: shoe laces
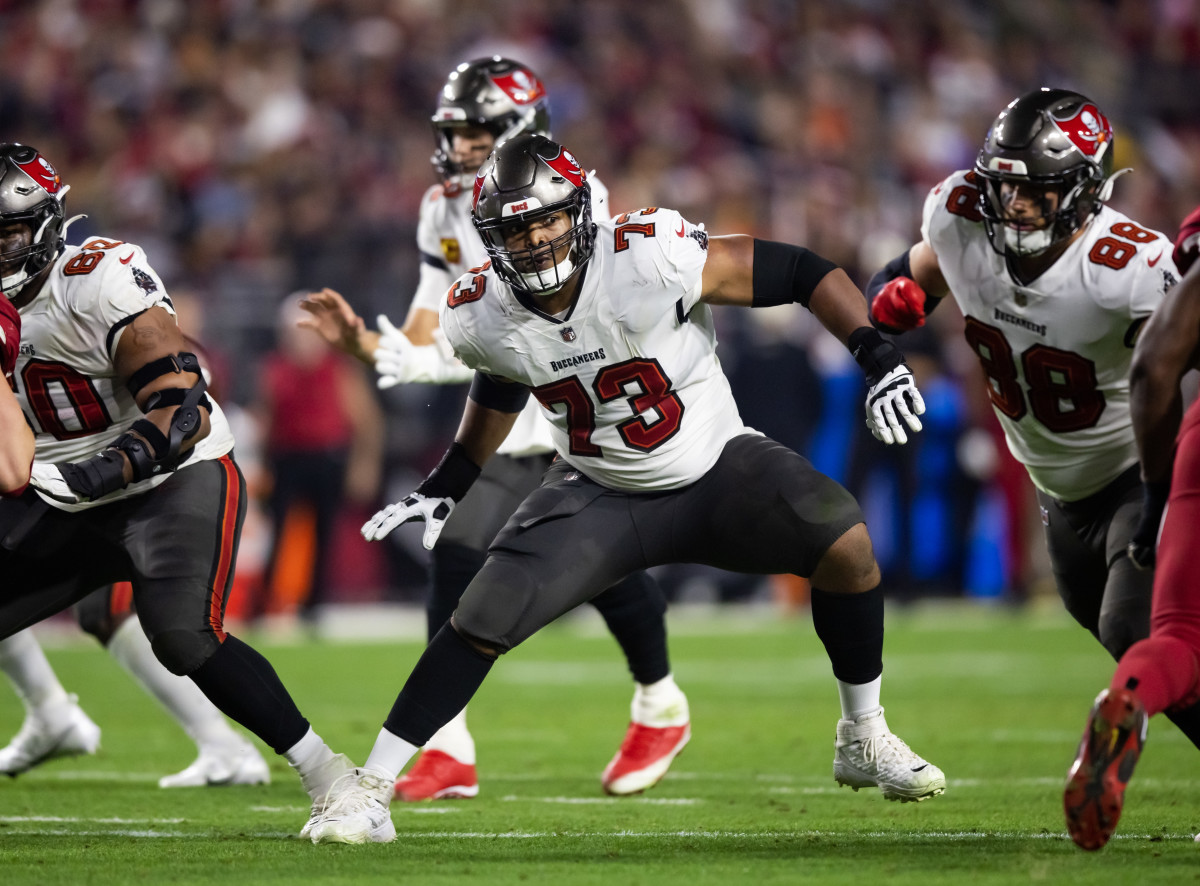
887	747
360	792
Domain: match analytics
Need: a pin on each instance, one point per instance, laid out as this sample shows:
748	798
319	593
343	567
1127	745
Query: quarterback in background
485	102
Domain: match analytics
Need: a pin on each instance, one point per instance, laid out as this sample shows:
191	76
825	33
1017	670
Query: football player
133	478
1161	672
608	324
1055	287
484	102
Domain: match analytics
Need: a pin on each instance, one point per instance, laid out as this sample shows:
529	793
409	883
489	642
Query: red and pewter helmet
527	178
497	93
31	193
1053	138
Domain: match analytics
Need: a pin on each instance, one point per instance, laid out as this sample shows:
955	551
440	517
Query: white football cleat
236	764
356	810
318	782
867	755
36	742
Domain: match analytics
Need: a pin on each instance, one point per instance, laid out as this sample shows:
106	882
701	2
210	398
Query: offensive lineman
608	325
484	102
134	478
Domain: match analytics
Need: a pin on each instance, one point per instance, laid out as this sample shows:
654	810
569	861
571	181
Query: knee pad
183	652
498	617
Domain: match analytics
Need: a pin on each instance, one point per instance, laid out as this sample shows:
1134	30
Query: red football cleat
437	776
1111	743
644	758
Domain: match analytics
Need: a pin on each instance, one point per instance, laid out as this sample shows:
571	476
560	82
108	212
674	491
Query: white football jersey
66	381
1056	352
445	232
629	378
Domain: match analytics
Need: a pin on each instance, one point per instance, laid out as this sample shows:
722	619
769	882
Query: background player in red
1162	672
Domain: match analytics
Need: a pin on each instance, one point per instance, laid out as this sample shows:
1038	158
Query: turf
995	697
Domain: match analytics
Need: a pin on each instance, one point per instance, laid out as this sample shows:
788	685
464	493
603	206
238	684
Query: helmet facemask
1077	203
518	267
527	180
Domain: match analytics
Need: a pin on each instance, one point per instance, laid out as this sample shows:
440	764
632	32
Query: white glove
887	402
414	506
399	361
48	479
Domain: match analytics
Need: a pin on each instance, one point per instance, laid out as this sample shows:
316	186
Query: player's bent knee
483	647
183	652
1117	632
849	566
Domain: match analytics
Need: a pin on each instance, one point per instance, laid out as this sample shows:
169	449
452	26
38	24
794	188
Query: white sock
455	739
309	757
182	698
859	698
25	664
659	704
390	754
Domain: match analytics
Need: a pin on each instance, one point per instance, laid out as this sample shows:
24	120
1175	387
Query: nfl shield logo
567	333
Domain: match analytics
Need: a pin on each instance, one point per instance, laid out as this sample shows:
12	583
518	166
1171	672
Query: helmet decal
565	164
1087	129
39	169
521	85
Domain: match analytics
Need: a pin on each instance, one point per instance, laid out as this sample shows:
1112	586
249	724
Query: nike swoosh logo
680	231
127	259
1152	262
919	768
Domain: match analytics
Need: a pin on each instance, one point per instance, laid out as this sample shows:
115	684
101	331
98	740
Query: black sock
244	686
446	676
633	610
851	627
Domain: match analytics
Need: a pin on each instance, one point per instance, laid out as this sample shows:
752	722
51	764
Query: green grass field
997	698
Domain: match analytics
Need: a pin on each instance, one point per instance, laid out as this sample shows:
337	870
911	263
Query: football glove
891	390
49	479
899	306
399	361
414	506
1142	549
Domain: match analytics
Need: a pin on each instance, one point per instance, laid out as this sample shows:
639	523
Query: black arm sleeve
784	273
503	396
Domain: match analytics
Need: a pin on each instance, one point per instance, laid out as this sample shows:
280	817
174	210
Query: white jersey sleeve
68	384
1056	351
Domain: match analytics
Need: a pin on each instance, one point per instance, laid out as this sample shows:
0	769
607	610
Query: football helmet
497	93
527	178
1050	138
31	193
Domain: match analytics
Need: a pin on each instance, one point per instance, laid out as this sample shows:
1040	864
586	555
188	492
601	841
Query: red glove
10	337
1187	244
899	306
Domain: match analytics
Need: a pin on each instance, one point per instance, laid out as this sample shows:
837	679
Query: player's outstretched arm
331	317
741	270
16	449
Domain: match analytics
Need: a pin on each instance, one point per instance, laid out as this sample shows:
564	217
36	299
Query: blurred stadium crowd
259	148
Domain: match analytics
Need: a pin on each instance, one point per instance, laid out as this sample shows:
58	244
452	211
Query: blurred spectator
255	148
323	433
